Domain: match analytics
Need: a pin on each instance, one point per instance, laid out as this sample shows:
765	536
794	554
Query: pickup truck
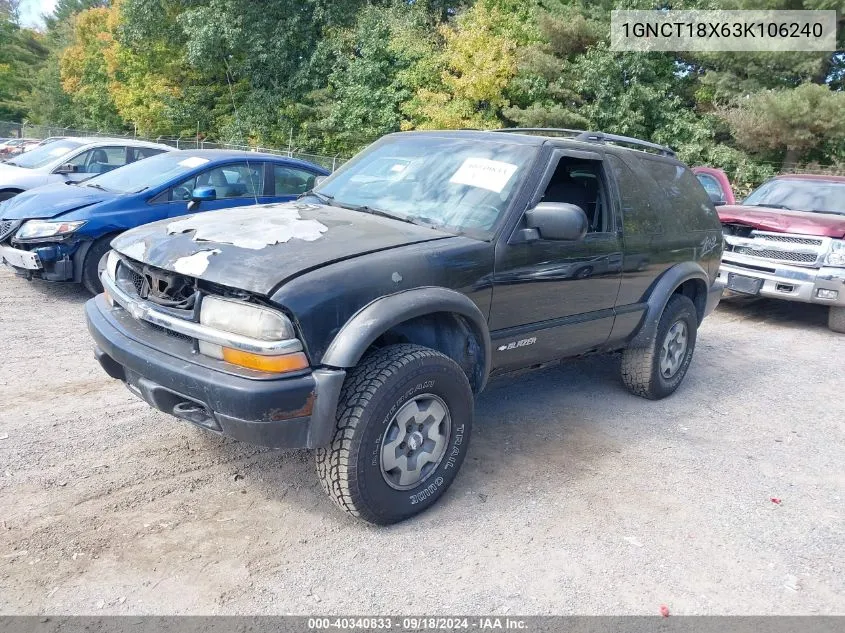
787	241
362	319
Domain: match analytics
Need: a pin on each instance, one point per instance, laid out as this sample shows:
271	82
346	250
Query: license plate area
19	259
743	284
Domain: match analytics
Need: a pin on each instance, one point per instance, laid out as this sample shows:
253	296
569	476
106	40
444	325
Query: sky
31	11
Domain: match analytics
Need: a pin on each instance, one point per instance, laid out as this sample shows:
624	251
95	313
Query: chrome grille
793	239
787	248
7	227
786	256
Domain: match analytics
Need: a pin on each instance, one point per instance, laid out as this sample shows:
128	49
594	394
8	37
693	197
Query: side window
235	181
181	192
100	160
139	153
291	181
689	206
581	182
640	215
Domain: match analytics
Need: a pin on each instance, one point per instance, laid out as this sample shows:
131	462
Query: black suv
361	319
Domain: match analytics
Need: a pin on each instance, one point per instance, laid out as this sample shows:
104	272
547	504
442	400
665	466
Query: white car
71	159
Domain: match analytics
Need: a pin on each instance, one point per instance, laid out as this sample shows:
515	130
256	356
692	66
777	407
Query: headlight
836	256
254	321
246	319
35	229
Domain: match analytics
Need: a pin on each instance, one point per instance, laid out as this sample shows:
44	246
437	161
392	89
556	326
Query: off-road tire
384	380
641	365
836	319
91	264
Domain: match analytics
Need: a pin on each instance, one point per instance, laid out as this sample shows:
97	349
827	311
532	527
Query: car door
236	184
554	298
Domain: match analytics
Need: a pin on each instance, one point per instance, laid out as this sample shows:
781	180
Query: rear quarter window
687	205
641	215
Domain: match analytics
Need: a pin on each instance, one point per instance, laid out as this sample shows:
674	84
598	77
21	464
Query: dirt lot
575	497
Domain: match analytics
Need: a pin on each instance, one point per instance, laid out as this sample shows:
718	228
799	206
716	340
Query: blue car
59	232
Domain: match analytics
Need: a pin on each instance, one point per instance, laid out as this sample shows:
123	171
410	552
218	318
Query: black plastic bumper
714	296
295	412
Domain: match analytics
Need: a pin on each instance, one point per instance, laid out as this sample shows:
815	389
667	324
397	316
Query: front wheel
403	424
836	319
656	371
91	264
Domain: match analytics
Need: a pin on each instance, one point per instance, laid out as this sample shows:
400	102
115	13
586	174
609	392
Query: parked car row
60	231
359	314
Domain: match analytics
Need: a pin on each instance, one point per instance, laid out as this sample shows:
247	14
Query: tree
478	61
21	51
796	121
84	69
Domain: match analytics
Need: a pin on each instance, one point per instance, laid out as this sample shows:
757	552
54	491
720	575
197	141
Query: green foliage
20	51
797	120
330	76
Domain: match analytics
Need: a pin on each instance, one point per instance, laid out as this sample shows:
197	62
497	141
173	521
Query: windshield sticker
192	162
484	173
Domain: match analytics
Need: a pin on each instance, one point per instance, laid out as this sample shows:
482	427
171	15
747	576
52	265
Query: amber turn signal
274	364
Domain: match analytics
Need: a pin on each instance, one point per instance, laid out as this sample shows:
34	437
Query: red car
716	184
787	241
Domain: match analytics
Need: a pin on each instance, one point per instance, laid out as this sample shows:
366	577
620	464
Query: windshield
800	195
45	154
460	184
147	173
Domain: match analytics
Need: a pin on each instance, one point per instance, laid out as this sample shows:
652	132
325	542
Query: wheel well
448	333
696	290
14	192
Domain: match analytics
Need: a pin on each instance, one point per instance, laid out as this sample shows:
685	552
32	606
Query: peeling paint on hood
194	265
244	228
136	251
261	246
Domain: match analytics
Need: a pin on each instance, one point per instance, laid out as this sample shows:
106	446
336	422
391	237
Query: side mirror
558	221
716	199
68	169
201	194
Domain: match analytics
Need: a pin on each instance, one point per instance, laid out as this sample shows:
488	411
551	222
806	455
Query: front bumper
50	262
792	283
291	412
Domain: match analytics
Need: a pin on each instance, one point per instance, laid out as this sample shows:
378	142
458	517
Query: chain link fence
10	129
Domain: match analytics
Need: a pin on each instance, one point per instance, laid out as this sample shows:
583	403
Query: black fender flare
659	296
378	316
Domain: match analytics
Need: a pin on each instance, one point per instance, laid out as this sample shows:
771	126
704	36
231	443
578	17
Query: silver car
71	159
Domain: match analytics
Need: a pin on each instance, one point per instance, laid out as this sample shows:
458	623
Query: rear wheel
836	319
91	264
403	424
656	371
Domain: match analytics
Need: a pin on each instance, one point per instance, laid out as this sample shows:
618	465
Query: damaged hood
50	201
256	248
784	221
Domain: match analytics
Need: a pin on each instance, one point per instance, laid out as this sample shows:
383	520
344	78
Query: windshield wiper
94	185
322	197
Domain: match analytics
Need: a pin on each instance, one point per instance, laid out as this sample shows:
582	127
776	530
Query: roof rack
592	137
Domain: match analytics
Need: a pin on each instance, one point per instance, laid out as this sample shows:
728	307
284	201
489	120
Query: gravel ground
576	497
